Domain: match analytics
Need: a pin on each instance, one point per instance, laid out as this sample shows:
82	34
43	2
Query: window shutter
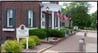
13	16
34	19
5	18
26	18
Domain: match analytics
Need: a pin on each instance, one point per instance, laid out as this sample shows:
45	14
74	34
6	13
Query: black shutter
26	18
34	19
13	16
5	18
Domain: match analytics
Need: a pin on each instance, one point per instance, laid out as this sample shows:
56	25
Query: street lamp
47	21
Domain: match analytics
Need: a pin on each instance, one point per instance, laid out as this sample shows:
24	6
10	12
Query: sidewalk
72	44
37	49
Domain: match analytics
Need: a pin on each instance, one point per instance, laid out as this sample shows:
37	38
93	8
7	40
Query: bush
57	33
48	32
31	43
38	32
54	33
89	28
43	33
11	46
36	39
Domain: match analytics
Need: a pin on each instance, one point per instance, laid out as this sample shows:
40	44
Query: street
71	44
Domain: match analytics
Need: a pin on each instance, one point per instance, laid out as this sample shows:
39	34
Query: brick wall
20	8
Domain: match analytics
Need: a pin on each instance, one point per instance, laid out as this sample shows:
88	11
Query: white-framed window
43	18
43	15
30	18
9	18
56	21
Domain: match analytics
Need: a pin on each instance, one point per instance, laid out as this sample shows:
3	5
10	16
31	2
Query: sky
92	9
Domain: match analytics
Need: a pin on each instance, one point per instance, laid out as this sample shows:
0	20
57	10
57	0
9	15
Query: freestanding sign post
22	32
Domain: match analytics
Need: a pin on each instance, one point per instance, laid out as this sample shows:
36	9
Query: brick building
31	14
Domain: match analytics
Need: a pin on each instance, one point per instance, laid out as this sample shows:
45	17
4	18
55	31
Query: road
71	44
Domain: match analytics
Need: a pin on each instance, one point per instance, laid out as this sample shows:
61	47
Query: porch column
58	24
52	19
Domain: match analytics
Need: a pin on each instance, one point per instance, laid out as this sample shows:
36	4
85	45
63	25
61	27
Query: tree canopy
94	19
78	12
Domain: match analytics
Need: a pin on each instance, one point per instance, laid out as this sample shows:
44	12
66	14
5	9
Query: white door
43	20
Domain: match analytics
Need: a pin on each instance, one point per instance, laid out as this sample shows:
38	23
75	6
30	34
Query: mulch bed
55	40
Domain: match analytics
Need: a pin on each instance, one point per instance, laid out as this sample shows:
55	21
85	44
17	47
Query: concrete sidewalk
72	44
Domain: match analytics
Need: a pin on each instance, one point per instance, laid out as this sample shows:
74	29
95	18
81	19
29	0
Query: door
43	20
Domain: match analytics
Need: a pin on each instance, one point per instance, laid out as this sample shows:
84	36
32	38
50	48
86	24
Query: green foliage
31	43
78	12
49	33
36	39
57	33
93	20
38	32
54	33
89	28
11	46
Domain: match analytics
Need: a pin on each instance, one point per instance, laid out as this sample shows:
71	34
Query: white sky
92	9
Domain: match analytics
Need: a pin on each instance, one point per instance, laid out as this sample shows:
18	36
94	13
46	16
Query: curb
42	50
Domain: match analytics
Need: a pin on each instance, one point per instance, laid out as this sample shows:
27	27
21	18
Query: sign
22	32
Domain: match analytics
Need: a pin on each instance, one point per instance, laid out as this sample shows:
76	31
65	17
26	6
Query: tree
78	12
93	19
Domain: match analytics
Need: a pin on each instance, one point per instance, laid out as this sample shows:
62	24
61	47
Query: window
9	18
30	20
56	21
43	15
43	23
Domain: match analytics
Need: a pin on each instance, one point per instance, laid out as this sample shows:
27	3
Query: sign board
22	32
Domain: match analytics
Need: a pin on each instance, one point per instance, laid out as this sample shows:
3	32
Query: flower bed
12	46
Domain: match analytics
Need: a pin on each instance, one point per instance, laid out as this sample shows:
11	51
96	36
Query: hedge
43	33
38	32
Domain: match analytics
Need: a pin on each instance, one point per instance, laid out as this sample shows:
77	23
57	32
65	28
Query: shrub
36	39
54	32
43	33
57	33
11	46
38	32
31	43
48	32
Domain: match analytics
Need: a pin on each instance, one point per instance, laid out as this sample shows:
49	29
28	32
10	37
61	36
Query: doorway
43	19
